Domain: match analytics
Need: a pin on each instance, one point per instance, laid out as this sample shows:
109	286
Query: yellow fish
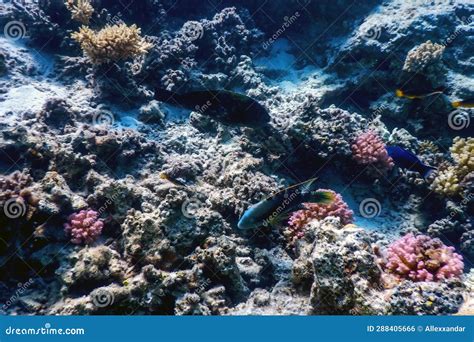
415	95
464	104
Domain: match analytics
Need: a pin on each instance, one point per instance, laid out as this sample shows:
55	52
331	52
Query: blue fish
407	160
273	209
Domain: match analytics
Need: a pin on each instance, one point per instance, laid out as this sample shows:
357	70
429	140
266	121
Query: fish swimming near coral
172	180
469	103
225	106
275	208
407	160
416	95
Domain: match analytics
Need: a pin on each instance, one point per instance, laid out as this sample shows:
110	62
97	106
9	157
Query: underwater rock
92	267
328	131
281	300
427	298
339	266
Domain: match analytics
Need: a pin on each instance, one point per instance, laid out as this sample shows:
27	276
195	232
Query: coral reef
112	43
156	191
299	219
84	227
450	180
369	149
339	266
16	199
425	59
421	258
81	10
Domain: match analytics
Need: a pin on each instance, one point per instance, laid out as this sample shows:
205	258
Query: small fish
407	160
415	95
223	105
278	206
174	181
469	103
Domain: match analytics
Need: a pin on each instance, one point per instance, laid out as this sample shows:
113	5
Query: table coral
421	258
84	227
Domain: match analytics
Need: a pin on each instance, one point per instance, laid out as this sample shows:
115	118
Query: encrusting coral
84	226
313	211
81	10
112	43
369	149
422	258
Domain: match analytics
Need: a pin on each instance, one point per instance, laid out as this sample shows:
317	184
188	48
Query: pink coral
314	211
84	226
369	148
422	258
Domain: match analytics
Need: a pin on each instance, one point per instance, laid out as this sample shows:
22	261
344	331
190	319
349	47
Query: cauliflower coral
313	211
422	258
84	227
423	56
112	43
369	149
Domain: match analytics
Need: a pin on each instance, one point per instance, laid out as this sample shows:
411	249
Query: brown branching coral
111	44
449	180
81	10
